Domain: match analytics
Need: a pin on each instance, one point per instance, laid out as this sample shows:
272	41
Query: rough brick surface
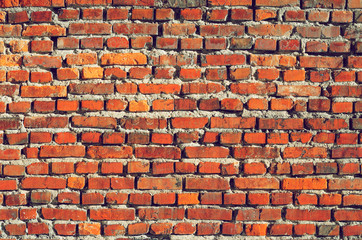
180	119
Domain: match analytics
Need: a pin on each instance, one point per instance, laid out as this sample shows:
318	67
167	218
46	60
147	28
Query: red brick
69	197
254	168
234	198
207	183
138	167
68	14
117	42
7	214
349	168
89	28
159	88
209	167
308	215
347	215
116	198
65	229
112	214
41	16
264	14
191	14
41	197
352	230
41	77
117	14
9	90
230	169
164	198
239	43
326	167
280	168
15	229
10	154
230	138
340	47
115	229
265	44
161	213
326	124
37	168
159	183
43	183
258	198
254	138
215	43
76	182
348	184
232	122
184	228
282	198
320	62
92	14
330	199
253	88
14	170
188	198
17	76
38	228
208	228
206	152
142	14
44	31
135	28
67	43
217	15
342	107
17	138
302	229
64	214
342	16
140	199
306	199
256	183
257	104
255	152
196	88
161	228
158	152
92	198
289	45
15	200
256	229
219	60
294	16
184	167
304	183
347	138
18	17
318	16
352	200
162	168
138	228
164	14
91	43
209	214
344	91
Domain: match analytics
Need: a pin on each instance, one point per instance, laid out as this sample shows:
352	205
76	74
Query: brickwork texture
180	119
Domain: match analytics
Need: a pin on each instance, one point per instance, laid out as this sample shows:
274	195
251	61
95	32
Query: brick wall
131	118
